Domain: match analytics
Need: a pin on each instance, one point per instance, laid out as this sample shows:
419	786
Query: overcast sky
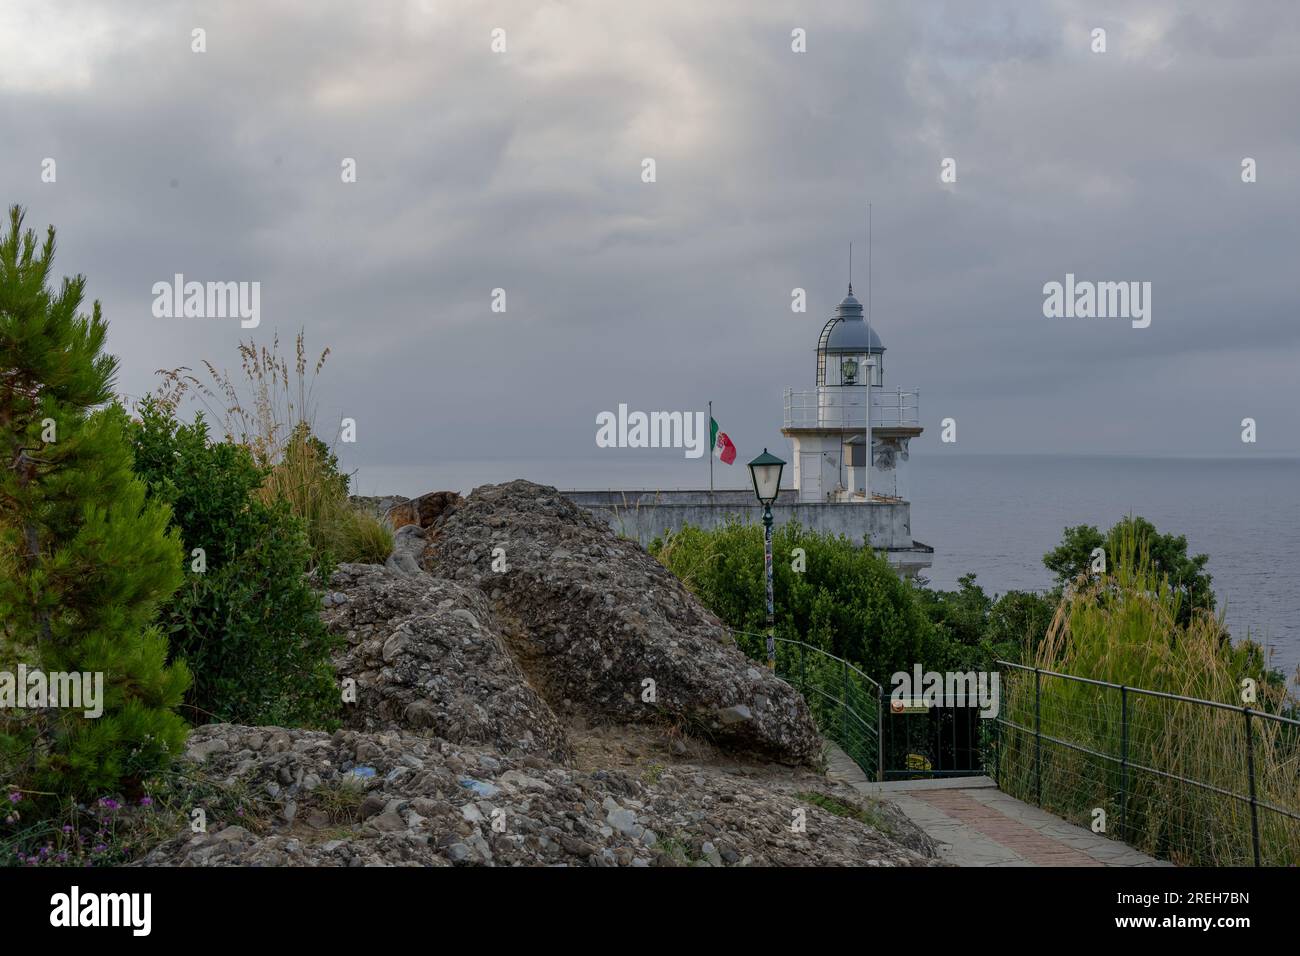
522	170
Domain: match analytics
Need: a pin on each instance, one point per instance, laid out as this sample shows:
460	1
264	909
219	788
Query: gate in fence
938	739
1194	781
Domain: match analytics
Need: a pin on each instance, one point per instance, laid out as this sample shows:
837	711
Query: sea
997	515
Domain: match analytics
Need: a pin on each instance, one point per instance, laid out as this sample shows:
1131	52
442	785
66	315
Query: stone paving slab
975	824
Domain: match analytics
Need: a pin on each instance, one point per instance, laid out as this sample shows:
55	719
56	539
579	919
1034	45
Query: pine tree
85	560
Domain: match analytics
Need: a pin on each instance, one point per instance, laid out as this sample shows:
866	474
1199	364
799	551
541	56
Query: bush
307	479
247	619
980	630
1126	628
364	539
1071	560
270	410
847	600
86	559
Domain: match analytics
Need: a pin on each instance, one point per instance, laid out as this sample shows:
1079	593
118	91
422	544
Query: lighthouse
850	434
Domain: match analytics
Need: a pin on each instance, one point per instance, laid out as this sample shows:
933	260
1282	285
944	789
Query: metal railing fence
845	703
1194	781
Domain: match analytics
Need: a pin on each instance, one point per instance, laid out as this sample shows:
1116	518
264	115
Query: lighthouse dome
848	346
847	330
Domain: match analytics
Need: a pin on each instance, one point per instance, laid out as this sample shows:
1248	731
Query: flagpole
710	451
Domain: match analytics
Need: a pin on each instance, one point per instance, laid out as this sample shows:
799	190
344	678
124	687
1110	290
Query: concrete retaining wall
645	515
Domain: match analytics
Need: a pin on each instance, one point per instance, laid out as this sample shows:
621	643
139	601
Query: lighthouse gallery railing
818	408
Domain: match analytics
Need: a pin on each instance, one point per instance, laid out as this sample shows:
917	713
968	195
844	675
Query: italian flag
722	446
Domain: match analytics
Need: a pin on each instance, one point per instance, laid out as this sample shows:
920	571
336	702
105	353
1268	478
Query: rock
379	506
201	750
232	834
624	821
457	667
388	821
318	819
584	818
372	806
479	787
423	512
427	654
736	714
596	616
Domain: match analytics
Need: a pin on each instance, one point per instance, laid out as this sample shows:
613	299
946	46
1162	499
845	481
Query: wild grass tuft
1124	628
269	407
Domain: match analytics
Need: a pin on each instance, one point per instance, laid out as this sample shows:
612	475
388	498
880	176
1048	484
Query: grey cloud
522	171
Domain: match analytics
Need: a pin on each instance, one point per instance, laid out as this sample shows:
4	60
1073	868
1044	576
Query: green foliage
848	600
208	485
1072	559
307	479
249	622
363	538
980	630
87	559
331	478
115	831
1017	622
872	818
269	409
1126	628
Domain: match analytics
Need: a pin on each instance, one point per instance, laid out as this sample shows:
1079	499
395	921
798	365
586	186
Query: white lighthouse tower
850	434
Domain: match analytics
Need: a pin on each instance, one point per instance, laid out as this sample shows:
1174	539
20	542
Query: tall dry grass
269	406
1180	795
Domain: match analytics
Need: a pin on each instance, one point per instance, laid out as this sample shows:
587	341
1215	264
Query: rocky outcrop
358	799
425	511
608	632
427	655
377	505
489	617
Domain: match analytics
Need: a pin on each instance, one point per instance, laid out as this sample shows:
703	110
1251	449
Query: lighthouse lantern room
850	434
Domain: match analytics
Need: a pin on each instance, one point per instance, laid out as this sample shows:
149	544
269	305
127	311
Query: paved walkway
975	824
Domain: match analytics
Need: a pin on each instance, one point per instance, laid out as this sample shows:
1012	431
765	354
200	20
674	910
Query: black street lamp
765	470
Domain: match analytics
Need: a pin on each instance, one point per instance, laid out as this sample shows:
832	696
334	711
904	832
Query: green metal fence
1198	782
845	702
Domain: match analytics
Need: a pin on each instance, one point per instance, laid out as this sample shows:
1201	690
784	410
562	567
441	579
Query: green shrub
269	409
249	621
87	560
1072	559
364	539
307	479
1126	628
847	600
980	630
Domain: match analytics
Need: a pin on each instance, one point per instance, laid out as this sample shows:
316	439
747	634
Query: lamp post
765	470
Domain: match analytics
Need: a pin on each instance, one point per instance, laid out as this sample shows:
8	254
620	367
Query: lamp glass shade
766	472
